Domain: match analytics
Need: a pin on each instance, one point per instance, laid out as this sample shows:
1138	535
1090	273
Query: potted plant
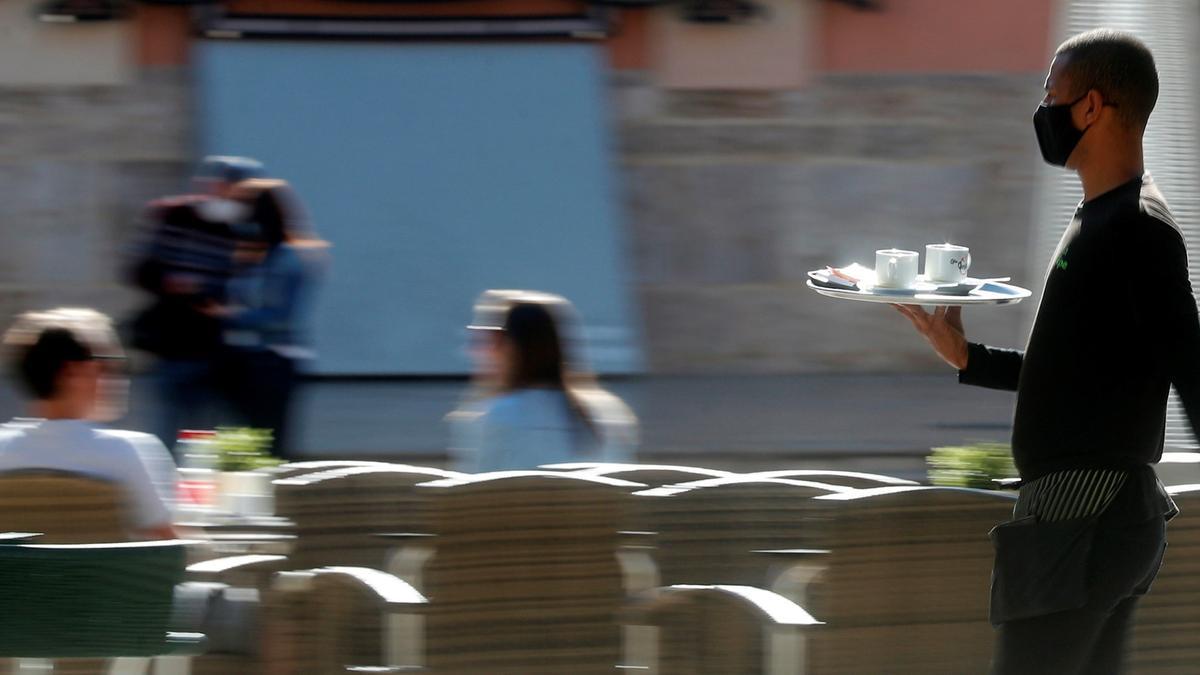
242	489
974	466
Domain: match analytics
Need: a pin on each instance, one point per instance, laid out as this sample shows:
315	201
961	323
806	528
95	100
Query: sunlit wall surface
437	171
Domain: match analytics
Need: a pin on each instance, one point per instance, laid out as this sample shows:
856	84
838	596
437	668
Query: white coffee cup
946	263
896	268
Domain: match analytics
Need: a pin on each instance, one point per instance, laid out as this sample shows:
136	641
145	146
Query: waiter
1089	532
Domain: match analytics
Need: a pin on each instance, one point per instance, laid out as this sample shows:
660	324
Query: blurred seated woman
532	402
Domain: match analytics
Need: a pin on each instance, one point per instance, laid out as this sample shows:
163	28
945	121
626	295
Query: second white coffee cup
896	268
946	263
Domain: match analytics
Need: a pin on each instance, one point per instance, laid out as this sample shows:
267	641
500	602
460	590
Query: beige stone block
37	53
769	53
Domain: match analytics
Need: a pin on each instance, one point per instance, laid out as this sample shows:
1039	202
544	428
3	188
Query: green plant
244	449
974	466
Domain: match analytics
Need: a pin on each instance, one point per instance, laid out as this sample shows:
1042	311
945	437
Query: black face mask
1056	132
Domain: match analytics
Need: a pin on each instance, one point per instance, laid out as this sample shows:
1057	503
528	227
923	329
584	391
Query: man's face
1057	86
214	187
1060	90
79	383
484	348
103	387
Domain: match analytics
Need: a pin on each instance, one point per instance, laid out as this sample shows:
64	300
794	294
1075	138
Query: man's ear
1093	104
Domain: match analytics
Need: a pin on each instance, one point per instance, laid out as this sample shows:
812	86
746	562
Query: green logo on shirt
1061	263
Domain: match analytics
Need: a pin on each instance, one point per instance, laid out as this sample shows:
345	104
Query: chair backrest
293	469
906	585
311	493
524	576
66	508
852	479
499	518
708	531
912	515
654	475
1164	637
339	513
87	600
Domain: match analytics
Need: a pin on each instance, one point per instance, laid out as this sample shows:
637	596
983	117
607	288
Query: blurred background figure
533	400
185	261
67	362
269	295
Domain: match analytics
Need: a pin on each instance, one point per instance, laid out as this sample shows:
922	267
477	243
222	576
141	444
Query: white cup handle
893	263
966	265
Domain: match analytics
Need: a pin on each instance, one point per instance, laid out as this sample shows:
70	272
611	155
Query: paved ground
884	423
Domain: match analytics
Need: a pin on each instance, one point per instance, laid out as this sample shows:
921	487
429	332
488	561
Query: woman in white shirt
532	404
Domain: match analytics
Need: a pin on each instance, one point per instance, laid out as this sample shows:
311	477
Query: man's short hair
41	343
1119	66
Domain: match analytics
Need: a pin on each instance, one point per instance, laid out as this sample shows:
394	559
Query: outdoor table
252	542
238	535
226	524
402	535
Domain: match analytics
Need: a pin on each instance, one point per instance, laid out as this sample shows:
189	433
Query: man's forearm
992	367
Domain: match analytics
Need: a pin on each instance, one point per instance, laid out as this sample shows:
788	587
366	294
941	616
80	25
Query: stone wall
732	197
76	165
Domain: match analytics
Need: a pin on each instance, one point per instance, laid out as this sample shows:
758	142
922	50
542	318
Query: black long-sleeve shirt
1117	325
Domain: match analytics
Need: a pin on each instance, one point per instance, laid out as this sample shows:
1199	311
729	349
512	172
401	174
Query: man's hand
179	284
215	309
944	330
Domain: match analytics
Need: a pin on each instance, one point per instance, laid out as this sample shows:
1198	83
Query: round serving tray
991	293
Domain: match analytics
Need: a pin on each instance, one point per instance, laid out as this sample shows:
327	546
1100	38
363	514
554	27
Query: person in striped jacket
185	260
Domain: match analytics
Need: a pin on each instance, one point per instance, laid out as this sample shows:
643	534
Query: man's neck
1111	172
57	409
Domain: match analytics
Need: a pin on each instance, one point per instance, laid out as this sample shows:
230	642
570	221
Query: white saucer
963	287
919	287
960	288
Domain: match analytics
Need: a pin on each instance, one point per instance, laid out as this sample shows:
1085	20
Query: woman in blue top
269	301
533	404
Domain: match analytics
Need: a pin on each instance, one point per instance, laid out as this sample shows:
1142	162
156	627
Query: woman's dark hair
268	212
538	359
278	213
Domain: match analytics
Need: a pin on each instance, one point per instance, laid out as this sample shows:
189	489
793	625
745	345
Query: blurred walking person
185	261
268	302
533	401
